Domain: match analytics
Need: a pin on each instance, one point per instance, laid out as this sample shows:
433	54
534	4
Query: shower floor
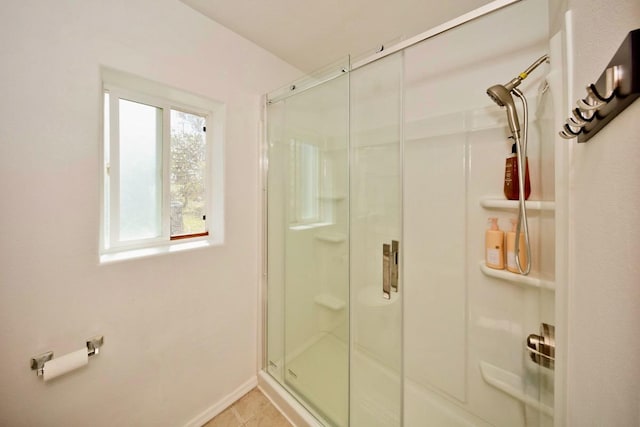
319	375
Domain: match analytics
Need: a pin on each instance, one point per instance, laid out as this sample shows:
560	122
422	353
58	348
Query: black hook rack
616	88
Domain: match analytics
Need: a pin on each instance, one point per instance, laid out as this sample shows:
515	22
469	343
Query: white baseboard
223	404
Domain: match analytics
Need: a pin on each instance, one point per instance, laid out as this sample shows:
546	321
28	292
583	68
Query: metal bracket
94	344
37	362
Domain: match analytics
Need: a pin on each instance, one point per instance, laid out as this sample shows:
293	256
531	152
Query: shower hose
521	153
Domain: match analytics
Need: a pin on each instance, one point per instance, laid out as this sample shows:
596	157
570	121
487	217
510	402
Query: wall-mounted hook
592	92
589	104
574	123
616	88
566	135
613	78
569	130
584	116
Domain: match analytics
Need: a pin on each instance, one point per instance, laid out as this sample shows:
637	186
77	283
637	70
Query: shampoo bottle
511	188
511	248
494	246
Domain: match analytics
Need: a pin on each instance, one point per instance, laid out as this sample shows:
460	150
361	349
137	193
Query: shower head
501	95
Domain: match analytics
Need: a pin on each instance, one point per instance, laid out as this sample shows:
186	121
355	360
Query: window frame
125	86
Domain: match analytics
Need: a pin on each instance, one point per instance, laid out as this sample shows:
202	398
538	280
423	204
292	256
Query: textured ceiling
311	34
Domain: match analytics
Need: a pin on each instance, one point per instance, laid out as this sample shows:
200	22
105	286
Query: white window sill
128	254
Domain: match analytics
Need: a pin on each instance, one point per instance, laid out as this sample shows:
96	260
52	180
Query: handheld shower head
501	95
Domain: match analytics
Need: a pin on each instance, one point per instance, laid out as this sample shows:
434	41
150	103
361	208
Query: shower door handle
394	264
386	271
390	268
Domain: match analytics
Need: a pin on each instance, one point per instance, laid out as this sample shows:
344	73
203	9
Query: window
187	171
309	185
162	165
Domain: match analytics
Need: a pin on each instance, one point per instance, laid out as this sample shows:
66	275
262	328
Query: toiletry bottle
494	246
511	188
511	248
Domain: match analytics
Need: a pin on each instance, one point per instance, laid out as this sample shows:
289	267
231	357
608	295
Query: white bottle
494	246
511	248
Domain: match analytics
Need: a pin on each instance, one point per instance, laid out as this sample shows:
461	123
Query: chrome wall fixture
390	268
38	362
542	348
617	87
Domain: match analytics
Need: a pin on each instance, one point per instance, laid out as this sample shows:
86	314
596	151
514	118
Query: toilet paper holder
93	349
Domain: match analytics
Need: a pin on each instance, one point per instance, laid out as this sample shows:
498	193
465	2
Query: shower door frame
263	157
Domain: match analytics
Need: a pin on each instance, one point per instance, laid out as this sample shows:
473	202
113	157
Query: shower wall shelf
335	198
516	278
513	385
331	237
329	301
537	205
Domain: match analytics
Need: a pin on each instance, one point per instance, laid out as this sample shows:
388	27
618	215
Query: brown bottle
511	188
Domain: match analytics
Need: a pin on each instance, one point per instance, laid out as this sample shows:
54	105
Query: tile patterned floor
251	410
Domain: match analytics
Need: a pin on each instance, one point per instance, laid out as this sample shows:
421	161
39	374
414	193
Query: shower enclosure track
449	25
341	67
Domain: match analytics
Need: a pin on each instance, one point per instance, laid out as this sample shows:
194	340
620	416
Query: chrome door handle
390	268
386	271
394	264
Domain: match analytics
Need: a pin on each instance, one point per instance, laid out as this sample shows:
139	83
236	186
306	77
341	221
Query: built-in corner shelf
516	278
332	197
535	205
513	385
329	301
331	237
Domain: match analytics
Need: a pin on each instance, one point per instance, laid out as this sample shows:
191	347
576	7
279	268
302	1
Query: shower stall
380	174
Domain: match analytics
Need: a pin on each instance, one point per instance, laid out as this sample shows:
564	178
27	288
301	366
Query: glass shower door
308	281
466	325
376	206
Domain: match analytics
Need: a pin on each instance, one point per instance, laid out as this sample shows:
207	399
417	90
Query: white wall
180	329
603	385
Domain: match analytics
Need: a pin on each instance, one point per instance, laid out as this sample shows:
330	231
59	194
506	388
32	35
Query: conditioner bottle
494	245
511	187
511	248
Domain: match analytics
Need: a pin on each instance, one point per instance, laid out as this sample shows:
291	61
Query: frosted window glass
140	171
188	161
305	186
107	164
308	179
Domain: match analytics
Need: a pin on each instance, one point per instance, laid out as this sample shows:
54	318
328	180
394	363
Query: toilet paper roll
61	365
